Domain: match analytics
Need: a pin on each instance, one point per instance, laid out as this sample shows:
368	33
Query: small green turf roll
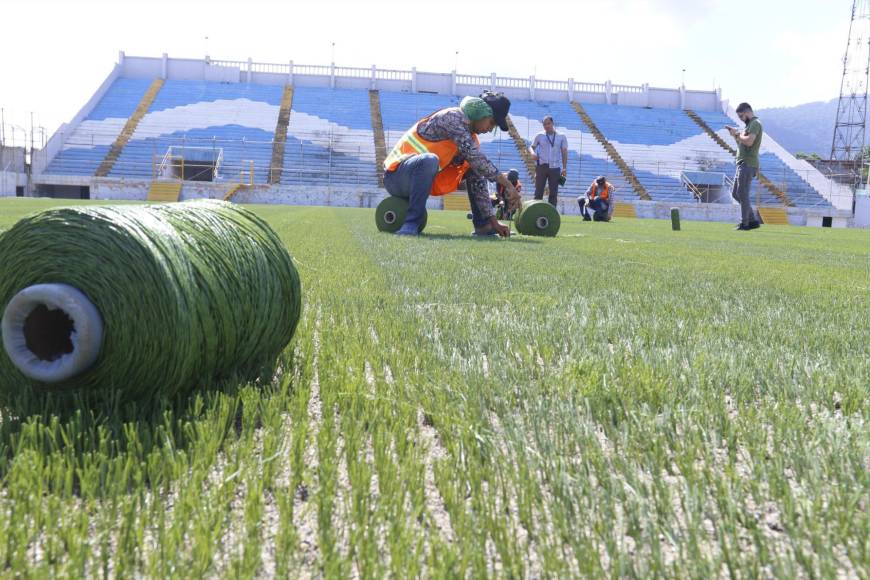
675	219
142	301
537	218
390	214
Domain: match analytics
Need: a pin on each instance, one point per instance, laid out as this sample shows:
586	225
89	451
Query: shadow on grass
80	428
514	239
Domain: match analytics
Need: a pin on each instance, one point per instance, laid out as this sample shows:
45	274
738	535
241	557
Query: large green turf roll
537	218
142	301
390	214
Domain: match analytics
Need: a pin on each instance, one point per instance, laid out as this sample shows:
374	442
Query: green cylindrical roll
675	219
537	218
142	301
390	214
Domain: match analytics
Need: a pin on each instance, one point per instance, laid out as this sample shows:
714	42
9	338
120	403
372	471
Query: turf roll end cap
51	332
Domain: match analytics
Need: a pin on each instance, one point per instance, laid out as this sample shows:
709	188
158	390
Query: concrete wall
12	159
351	196
9	181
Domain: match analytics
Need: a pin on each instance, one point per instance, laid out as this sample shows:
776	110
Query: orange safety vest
605	195
449	174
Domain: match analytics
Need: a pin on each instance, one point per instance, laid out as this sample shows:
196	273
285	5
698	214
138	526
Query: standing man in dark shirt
549	150
748	146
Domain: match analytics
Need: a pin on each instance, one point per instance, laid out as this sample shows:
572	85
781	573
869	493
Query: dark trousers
740	192
544	175
412	180
598	206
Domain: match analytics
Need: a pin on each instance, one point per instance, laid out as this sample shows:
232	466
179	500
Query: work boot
409	229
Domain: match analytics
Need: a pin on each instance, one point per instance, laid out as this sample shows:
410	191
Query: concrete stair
773	216
781	195
523	149
624	210
164	191
457	202
378	134
129	128
280	141
626	171
233	190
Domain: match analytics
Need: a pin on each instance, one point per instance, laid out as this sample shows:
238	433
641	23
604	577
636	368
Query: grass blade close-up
622	400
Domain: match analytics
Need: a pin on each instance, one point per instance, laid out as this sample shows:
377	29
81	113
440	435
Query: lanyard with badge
552	143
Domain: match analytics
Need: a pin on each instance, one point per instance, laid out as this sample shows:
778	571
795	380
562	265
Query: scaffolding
849	131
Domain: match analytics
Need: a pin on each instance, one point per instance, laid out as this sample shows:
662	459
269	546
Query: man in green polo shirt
748	144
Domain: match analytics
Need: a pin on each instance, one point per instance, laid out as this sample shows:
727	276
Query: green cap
475	108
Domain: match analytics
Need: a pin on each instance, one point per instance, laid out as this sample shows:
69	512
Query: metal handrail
698	195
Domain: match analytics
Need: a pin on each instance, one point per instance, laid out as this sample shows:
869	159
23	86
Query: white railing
627	89
312	69
264	67
546	85
392	75
352	72
590	87
512	82
474	80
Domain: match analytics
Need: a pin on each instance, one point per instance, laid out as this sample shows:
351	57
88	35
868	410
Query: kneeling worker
441	150
597	199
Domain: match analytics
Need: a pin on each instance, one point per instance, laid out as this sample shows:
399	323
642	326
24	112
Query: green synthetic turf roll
168	298
537	218
390	214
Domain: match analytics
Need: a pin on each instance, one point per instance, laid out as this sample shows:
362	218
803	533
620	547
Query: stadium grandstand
167	129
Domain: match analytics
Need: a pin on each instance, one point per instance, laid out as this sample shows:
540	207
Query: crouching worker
441	150
502	203
598	199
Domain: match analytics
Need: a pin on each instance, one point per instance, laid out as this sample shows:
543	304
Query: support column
290	74
570	90
332	75
492	82
453	83
164	68
646	94
683	97
608	93
374	84
413	79
532	87
250	68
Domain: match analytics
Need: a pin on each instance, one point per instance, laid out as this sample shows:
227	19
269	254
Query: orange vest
449	174
605	195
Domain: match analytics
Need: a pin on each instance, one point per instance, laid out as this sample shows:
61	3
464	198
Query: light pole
455	61
333	53
684	78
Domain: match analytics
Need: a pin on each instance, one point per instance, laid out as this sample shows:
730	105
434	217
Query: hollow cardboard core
48	332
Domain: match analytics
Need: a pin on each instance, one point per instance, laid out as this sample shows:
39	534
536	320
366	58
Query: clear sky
55	53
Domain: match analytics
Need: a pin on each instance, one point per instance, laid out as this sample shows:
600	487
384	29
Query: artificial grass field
621	401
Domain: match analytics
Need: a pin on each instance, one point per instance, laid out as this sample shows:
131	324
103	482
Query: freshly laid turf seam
434	452
305	510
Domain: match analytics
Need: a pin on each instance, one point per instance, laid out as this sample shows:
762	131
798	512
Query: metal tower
851	121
